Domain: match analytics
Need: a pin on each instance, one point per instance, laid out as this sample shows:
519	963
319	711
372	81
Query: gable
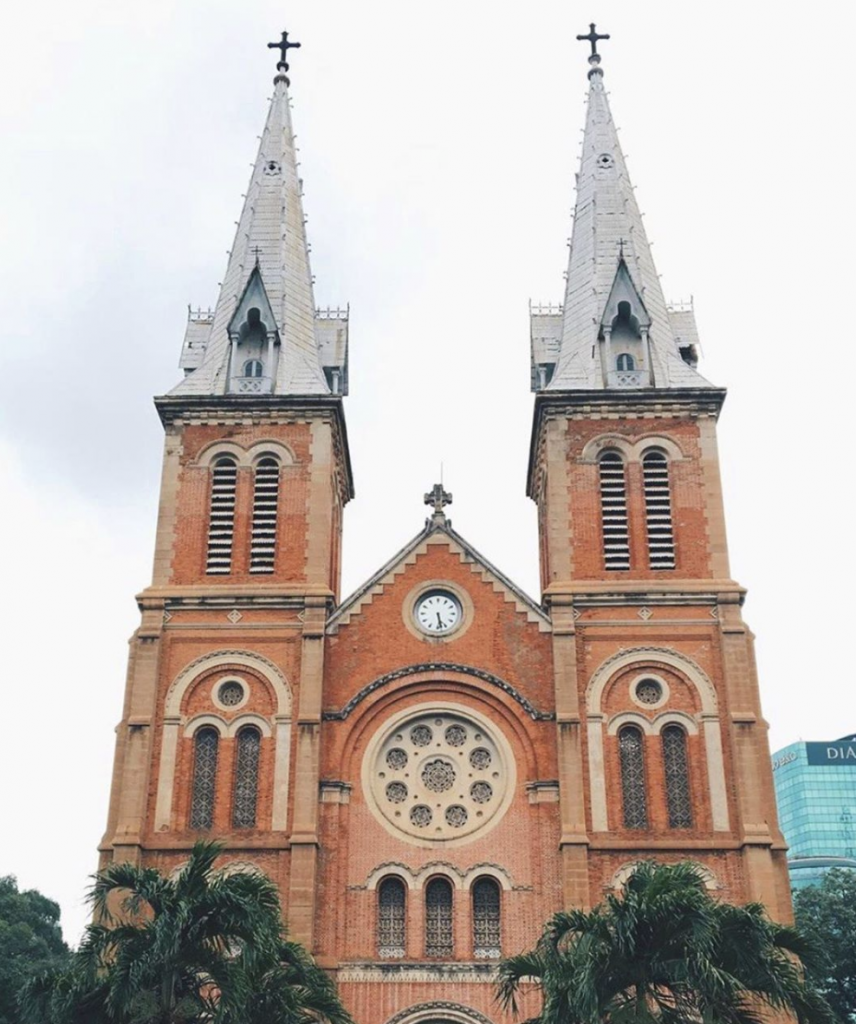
464	553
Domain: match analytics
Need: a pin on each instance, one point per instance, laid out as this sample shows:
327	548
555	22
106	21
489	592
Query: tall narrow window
486	919
658	511
265	500
613	504
677	777
205	744
438	918
632	757
246	778
221	523
390	918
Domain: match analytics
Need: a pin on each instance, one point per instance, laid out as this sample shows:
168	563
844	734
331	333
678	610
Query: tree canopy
30	941
202	945
827	914
664	951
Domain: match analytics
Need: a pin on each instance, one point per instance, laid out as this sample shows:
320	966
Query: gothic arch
630	452
709	719
439	1009
441	670
173	721
246	457
222	658
624	872
665	656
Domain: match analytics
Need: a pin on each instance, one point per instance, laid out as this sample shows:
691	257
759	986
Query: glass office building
816	796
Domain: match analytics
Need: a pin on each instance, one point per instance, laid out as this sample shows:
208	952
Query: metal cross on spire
438	498
593	37
283	46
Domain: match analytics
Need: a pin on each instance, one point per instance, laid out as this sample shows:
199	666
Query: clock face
438	612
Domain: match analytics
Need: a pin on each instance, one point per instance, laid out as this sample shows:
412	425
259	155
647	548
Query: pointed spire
612	284
269	270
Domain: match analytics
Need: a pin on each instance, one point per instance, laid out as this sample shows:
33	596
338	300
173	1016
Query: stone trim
427	669
666	656
448	973
437	533
439	1008
415	879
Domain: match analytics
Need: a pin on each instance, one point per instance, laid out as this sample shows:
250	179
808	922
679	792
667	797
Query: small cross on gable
438	498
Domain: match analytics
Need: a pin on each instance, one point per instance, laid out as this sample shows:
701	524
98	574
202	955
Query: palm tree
664	952
193	948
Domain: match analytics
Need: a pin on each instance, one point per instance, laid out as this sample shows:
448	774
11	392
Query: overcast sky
438	145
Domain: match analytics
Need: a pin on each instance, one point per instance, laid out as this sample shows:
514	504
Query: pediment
254	297
624	290
437	534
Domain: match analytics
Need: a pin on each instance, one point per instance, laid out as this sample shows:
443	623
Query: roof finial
282	64
439	499
593	37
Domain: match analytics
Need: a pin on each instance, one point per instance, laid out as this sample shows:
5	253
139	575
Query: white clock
438	612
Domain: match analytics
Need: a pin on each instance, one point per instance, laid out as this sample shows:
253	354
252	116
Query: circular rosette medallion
438	774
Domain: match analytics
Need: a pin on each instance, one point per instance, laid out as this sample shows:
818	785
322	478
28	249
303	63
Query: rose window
649	691
230	694
438	776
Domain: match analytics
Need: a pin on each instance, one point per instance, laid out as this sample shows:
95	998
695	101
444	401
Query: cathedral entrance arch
439	1012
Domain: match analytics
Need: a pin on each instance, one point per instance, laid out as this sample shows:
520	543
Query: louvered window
658	511
221	524
205	746
613	504
677	777
486	920
438	918
265	500
246	778
631	753
390	918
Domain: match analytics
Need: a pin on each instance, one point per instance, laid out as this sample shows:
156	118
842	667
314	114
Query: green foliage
827	914
665	952
30	942
203	946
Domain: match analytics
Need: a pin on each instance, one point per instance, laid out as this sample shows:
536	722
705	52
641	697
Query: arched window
658	510
438	918
246	778
253	368
221	521
677	777
613	505
390	918
487	935
632	755
265	500
205	746
625	362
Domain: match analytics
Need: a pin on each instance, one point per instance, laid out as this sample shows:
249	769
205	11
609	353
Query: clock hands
439	621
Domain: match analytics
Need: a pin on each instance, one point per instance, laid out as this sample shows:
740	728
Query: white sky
438	143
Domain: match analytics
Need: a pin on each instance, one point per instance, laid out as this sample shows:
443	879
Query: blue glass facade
816	796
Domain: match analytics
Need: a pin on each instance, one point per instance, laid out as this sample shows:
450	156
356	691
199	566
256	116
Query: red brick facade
555	683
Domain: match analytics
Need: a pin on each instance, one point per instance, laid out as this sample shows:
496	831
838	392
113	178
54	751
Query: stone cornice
178	410
611	405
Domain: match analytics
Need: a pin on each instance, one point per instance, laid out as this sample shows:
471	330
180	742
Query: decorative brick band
467	670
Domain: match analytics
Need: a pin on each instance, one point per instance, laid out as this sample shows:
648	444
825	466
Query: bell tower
223	694
655	672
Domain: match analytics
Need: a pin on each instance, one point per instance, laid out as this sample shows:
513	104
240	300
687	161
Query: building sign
780	762
840	752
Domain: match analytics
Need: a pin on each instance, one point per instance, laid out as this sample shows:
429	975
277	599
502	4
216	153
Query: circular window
605	160
230	694
649	692
438	775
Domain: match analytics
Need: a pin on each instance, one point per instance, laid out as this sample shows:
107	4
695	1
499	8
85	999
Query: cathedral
430	767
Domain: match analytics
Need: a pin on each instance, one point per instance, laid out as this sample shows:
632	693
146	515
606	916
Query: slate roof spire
262	336
614	329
